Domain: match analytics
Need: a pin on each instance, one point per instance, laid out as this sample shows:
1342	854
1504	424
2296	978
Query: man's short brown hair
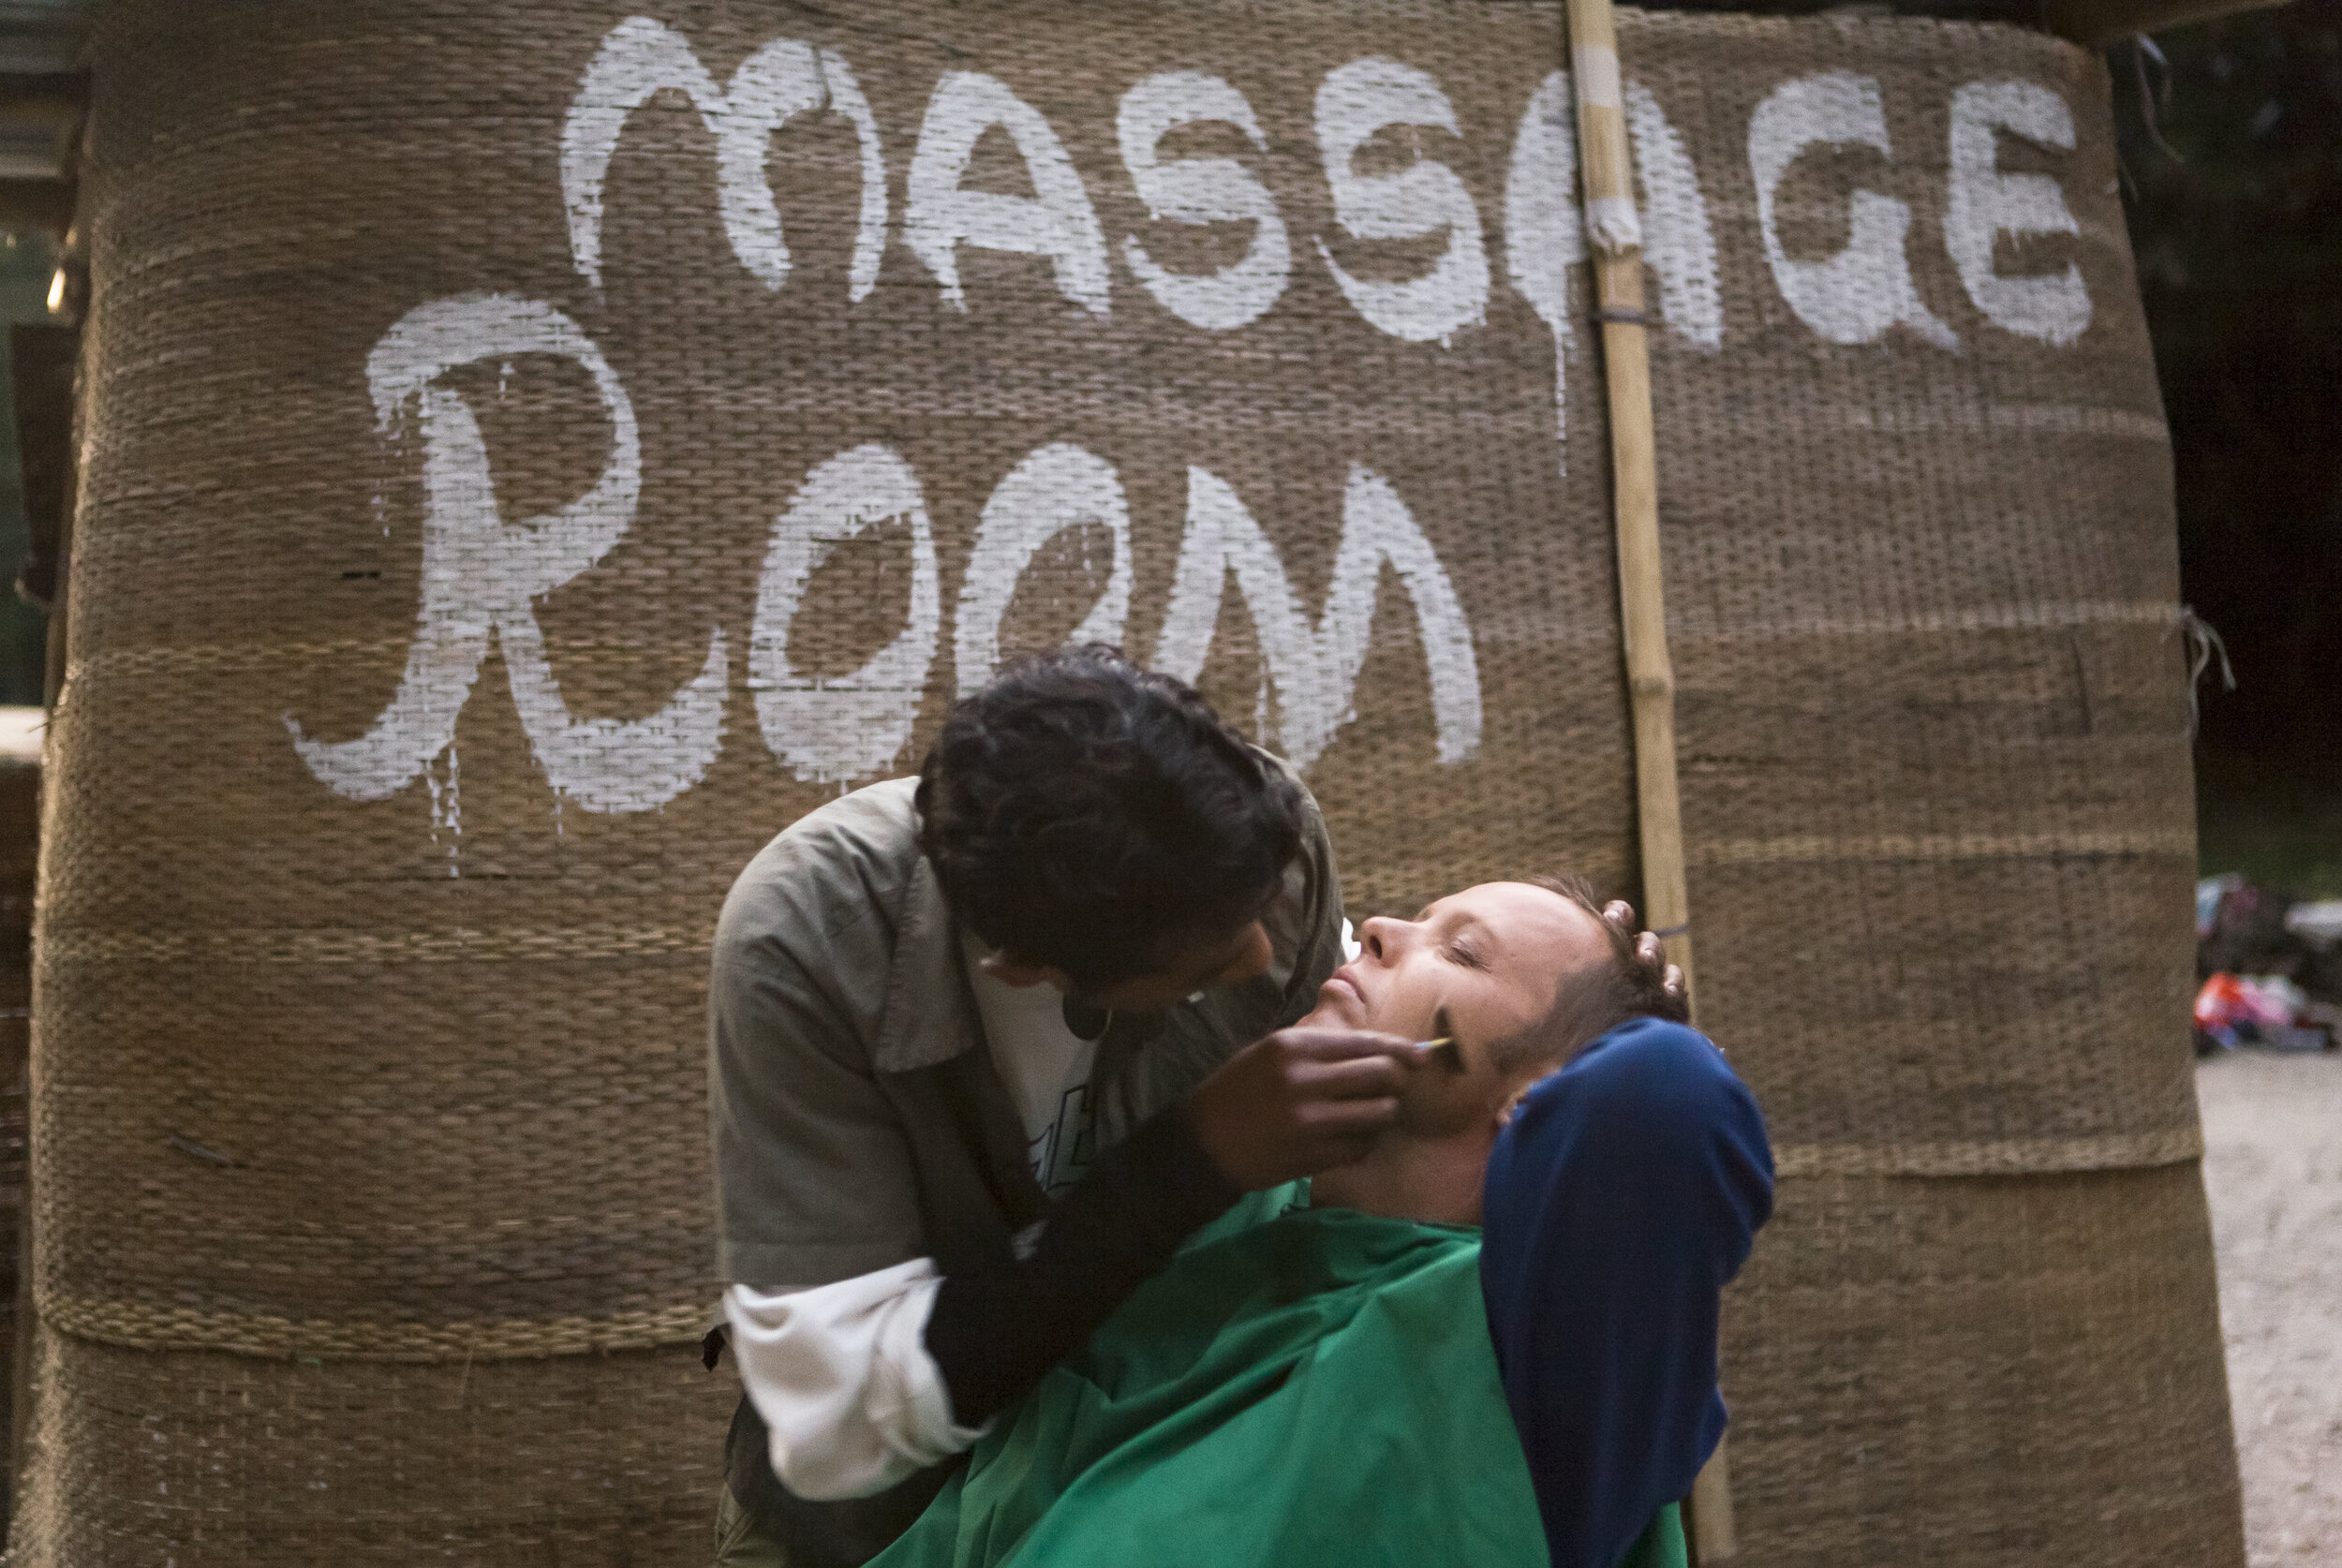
1595	999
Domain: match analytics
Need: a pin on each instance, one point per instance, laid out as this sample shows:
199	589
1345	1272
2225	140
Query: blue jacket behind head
1624	1196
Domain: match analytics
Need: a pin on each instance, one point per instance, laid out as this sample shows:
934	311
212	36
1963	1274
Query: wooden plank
1614	233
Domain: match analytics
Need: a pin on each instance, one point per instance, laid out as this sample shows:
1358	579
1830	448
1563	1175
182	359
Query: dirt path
2273	1164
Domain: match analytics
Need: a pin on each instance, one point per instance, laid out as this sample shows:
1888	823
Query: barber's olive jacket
857	1116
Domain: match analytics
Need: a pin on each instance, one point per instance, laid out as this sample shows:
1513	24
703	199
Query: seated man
1312	1380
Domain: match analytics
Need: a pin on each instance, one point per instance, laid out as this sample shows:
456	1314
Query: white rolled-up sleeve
841	1375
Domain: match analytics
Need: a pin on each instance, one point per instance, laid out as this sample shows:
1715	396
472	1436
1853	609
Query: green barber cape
1300	1387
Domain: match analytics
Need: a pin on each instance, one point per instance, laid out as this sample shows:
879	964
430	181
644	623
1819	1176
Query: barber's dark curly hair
1090	815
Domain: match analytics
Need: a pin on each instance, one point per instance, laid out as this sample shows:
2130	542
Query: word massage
481	572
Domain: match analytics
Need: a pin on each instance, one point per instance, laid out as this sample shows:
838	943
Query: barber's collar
930	1014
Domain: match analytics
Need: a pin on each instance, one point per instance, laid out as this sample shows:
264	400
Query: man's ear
1009	970
1511	1106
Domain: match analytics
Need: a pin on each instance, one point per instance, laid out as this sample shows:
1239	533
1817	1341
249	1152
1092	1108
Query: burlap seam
139	1326
1992	1156
2157	613
234	657
558	944
2179	843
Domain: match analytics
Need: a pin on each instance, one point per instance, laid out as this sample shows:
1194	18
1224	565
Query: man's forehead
1457	919
1476	902
1517	916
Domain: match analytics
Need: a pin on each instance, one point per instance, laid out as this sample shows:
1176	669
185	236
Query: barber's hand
1649	952
1299	1102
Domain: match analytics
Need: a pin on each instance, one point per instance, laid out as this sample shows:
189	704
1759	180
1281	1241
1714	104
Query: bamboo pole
1614	235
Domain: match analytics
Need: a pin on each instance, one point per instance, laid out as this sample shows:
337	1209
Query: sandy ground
2273	1164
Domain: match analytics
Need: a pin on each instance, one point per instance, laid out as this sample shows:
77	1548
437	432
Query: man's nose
1383	939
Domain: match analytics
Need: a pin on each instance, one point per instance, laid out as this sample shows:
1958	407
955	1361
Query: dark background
25	269
2234	193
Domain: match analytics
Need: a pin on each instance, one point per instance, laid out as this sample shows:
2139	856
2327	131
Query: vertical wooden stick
1614	234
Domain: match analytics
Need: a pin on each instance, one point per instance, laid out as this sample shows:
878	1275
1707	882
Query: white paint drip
1058	487
1545	237
1354	102
1056	221
446	809
838	728
640	58
1866	288
1984	201
1315	671
1545	234
1200	191
480	577
454	817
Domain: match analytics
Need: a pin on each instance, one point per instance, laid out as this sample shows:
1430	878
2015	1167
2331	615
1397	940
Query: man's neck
1433	1179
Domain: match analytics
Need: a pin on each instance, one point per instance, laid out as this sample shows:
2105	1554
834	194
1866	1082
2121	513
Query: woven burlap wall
536	451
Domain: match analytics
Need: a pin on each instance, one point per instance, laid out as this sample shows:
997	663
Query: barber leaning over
1051	978
1047	978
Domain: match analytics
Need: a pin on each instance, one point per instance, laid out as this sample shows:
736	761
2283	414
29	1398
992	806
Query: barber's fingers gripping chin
1299	1102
